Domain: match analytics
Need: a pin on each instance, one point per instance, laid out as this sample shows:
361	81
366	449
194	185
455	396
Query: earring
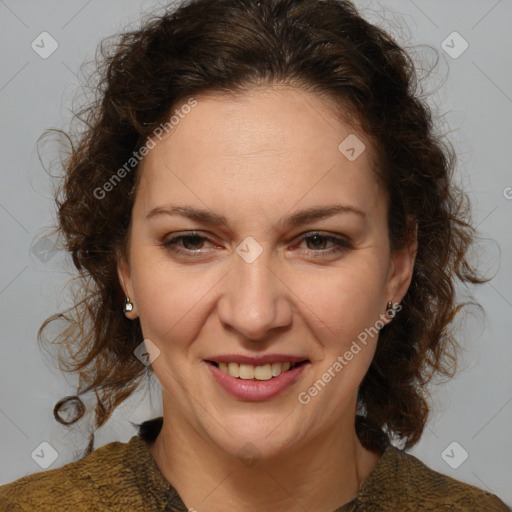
389	308
128	305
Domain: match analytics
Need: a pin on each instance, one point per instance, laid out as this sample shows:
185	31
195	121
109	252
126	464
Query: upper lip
256	360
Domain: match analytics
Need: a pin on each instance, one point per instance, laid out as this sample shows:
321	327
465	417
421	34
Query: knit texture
124	477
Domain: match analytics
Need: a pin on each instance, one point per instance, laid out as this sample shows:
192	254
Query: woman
263	217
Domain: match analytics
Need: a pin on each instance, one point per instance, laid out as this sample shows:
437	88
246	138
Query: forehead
264	145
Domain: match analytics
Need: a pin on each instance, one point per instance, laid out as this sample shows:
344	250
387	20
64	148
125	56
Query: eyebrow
295	219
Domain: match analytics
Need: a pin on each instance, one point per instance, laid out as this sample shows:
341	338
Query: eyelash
340	244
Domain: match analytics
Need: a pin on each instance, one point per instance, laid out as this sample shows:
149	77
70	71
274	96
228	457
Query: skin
255	158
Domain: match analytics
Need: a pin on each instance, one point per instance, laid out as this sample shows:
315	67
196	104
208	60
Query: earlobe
128	306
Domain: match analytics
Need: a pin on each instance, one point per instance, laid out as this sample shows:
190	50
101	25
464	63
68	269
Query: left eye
318	242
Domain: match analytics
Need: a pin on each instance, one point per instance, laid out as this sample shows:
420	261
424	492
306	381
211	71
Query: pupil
195	240
317	238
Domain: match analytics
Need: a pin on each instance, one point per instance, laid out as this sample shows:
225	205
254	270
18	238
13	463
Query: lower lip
256	390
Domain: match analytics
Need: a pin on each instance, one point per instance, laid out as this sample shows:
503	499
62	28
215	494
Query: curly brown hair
229	46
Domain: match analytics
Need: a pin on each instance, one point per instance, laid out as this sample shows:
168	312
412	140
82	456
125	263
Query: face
255	240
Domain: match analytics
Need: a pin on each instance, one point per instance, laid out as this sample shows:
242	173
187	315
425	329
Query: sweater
125	477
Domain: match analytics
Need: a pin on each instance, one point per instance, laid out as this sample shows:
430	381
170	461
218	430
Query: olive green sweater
124	477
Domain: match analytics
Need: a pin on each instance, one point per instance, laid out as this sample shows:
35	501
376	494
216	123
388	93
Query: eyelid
323	234
340	242
167	242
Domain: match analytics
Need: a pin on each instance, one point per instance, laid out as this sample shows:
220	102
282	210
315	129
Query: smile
255	382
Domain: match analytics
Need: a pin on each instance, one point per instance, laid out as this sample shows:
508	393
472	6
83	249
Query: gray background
472	91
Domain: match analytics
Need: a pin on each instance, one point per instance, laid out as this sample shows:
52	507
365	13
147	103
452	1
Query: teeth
248	371
276	369
234	369
263	372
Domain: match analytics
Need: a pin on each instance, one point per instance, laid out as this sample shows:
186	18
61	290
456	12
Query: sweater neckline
150	479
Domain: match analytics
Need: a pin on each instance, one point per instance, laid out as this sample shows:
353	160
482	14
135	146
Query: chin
254	436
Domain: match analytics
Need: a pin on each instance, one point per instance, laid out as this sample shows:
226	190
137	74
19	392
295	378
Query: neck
321	475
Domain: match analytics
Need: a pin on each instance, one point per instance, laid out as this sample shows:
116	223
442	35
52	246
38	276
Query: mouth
250	378
267	371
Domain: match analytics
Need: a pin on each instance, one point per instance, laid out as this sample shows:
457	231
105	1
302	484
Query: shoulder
96	478
417	487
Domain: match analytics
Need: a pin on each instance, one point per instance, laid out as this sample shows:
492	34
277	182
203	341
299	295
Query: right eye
179	244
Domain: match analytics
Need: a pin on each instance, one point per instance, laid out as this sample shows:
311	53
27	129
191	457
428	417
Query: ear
402	267
125	279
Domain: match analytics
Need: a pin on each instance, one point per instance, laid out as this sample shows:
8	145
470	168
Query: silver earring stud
128	305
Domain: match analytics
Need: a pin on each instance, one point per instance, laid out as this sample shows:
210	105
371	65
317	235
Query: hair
231	46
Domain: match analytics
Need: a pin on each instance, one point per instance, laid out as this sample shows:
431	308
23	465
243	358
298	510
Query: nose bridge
254	301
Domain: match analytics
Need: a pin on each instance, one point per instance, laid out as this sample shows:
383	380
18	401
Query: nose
255	301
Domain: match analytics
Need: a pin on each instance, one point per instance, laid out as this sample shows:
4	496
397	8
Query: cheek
342	312
168	301
342	303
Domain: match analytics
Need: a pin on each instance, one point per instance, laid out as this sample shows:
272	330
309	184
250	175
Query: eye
316	243
193	244
188	243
